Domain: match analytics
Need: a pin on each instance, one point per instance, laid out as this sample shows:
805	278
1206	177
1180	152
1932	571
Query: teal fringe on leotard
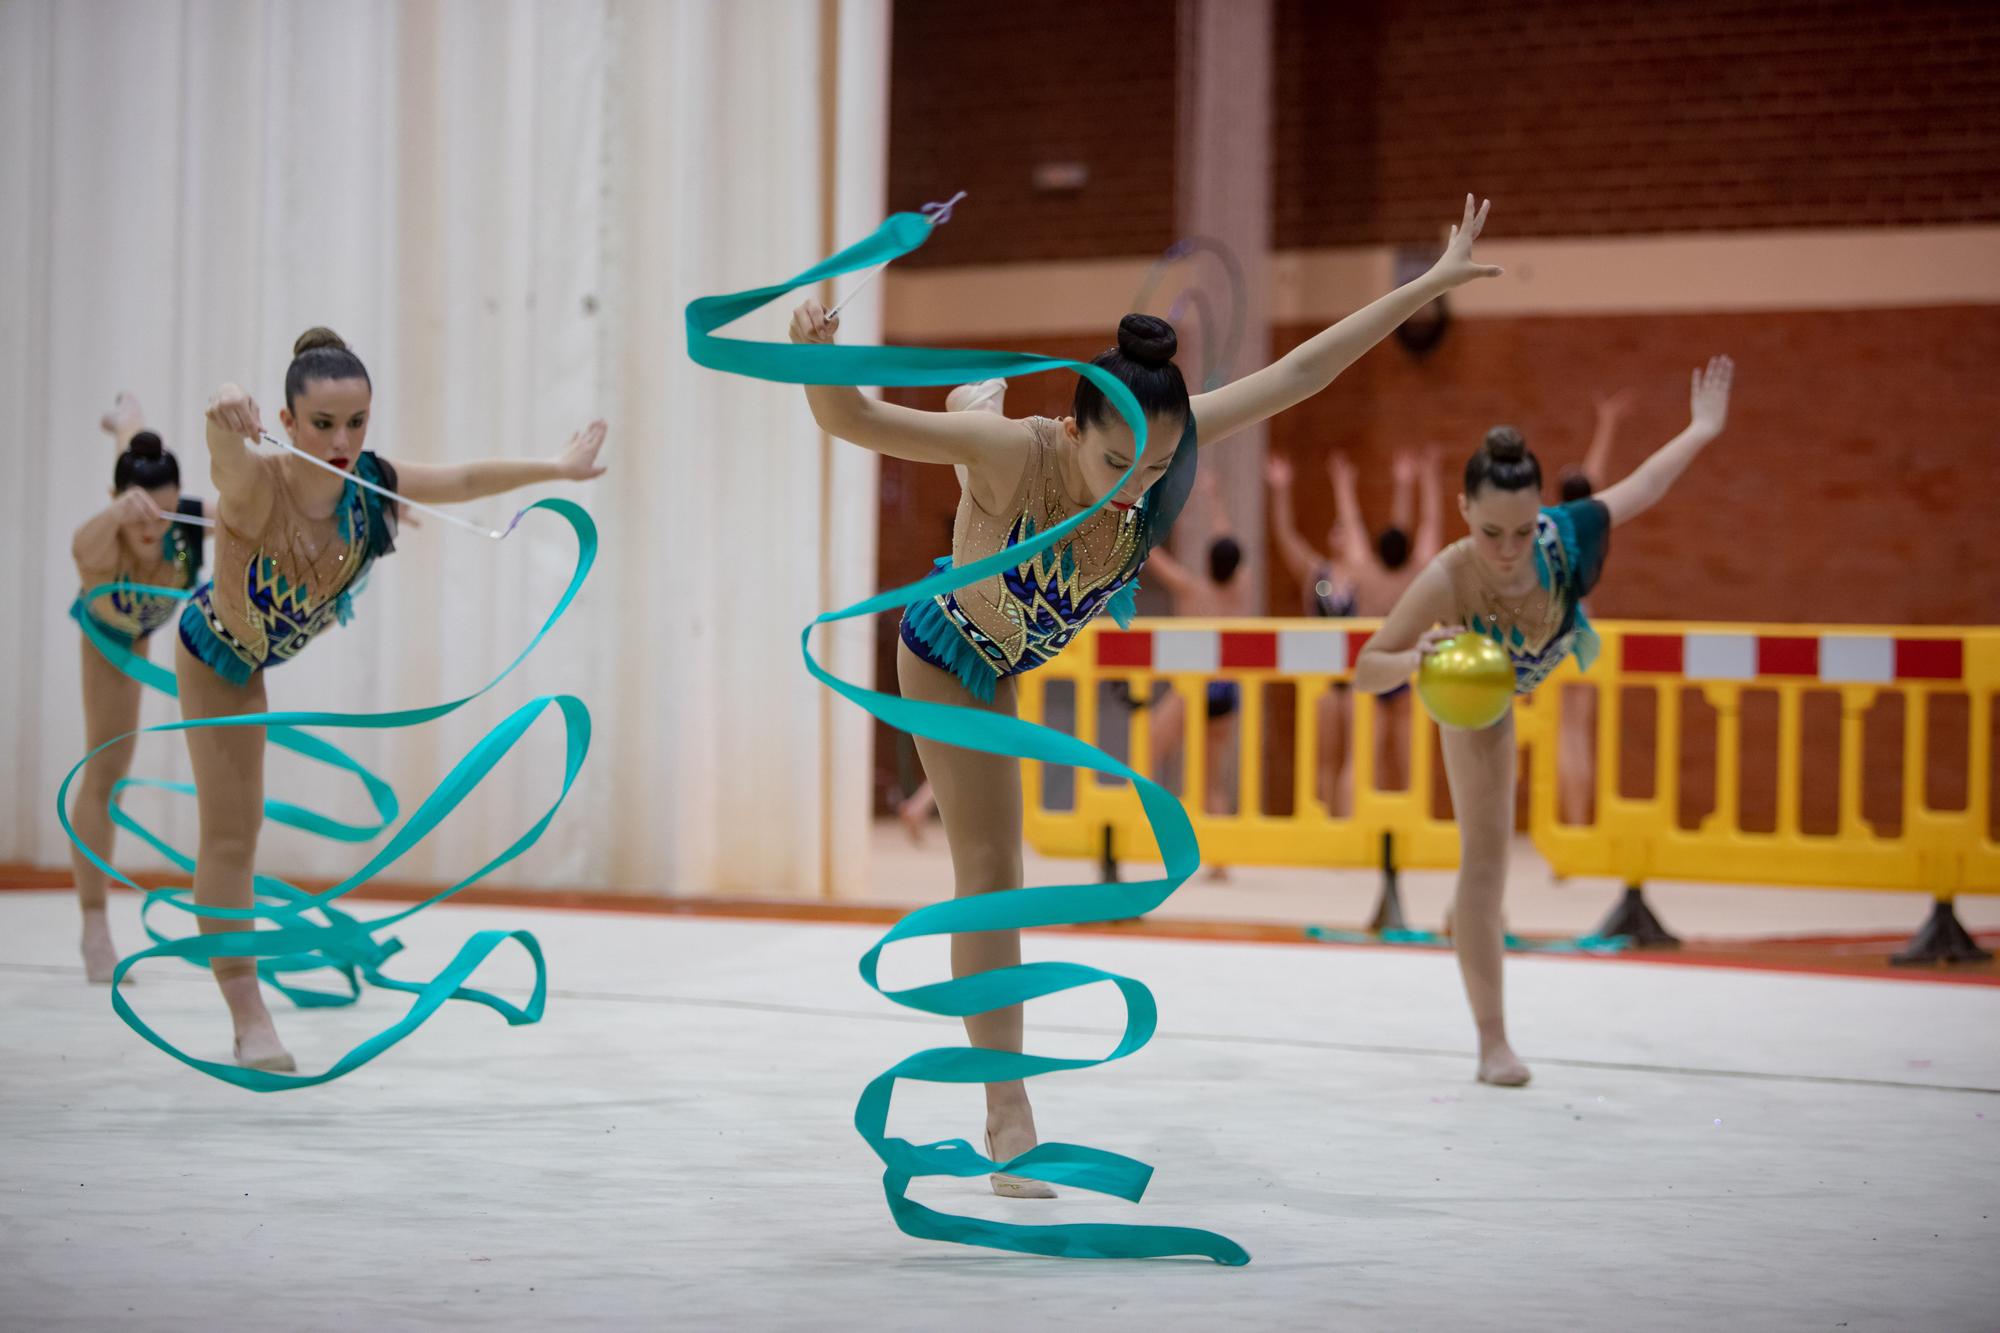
1124	605
79	612
947	648
1583	551
200	640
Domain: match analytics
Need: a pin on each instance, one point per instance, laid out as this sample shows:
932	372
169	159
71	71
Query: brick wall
1857	481
979	94
1611	118
1622	117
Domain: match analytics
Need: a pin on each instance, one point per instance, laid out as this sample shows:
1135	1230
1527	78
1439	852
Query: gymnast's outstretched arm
455	483
1409	634
989	446
1650	481
1313	364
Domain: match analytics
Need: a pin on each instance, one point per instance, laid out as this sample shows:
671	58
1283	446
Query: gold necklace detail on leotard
320	555
1536	624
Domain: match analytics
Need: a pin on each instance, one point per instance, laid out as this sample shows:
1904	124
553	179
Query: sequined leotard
272	592
126	617
1022	617
1571	541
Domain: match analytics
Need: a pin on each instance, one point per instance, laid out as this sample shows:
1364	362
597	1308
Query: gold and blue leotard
267	600
125	615
1022	617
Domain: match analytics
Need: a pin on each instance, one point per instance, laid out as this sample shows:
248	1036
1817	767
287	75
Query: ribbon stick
939	214
495	533
194	519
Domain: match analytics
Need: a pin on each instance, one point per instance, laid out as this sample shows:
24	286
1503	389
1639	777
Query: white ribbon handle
495	533
939	214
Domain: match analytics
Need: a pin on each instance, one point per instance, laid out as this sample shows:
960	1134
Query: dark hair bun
1147	339
317	336
145	464
1504	444
319	354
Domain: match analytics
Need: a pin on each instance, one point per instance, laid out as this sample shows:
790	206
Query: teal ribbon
1427	939
1057	1163
350	947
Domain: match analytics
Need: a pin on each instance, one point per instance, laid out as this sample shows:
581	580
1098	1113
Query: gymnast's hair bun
145	464
1147	339
316	337
1504	444
320	354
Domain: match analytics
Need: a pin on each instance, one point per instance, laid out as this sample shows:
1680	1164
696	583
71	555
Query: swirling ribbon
973	729
353	948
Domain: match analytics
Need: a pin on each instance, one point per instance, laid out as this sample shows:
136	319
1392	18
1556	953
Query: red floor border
1828	955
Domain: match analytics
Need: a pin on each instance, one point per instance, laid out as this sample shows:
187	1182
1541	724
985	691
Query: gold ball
1468	683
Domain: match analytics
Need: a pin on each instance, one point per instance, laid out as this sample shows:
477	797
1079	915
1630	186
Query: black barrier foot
1107	866
1942	940
1389	911
1634	919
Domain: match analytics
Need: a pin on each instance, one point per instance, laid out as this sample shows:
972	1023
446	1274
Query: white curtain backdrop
503	207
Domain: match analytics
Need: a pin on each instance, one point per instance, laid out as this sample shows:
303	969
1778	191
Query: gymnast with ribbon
150	534
1055	521
296	531
1517	583
295	537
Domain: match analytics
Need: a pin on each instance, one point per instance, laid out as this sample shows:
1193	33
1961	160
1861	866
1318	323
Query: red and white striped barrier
1295	652
1834	659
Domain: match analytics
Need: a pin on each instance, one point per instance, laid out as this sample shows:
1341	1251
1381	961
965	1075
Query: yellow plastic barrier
1941	852
1316	657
